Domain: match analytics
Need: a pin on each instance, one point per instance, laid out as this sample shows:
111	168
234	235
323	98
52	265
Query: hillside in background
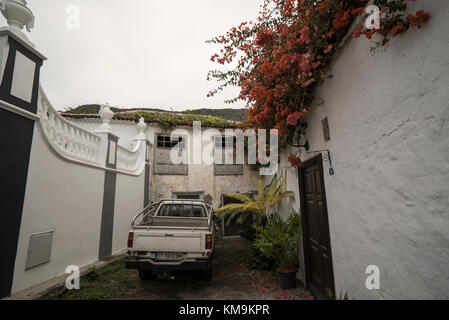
228	114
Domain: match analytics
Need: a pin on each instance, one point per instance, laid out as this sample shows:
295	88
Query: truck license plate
168	256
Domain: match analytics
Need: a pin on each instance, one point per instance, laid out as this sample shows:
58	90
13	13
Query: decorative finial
17	14
106	116
142	126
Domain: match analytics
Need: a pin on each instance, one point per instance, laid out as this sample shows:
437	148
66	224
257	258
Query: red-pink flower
293	118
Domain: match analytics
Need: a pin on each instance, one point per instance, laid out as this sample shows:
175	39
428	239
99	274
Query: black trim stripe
146	195
16	135
107	216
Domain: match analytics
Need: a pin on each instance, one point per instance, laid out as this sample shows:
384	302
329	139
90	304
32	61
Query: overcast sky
134	53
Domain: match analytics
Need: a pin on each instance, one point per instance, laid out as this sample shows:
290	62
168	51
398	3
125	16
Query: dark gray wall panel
16	135
107	218
146	195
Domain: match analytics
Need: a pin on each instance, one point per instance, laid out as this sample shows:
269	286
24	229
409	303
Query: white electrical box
39	249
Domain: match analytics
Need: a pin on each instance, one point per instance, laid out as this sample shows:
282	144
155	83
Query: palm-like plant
259	208
280	240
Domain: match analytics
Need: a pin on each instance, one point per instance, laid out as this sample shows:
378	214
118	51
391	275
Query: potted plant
280	240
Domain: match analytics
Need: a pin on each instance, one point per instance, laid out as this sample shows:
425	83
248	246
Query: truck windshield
182	210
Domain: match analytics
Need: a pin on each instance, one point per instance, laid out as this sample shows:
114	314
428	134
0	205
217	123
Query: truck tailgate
168	240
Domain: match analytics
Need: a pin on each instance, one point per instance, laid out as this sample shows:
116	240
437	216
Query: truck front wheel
145	275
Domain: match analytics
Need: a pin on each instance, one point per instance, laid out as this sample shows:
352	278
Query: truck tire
207	274
145	275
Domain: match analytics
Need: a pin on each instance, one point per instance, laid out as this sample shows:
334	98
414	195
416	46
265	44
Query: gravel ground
231	280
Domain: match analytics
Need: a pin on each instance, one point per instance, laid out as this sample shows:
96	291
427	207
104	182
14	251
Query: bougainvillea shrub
392	21
279	59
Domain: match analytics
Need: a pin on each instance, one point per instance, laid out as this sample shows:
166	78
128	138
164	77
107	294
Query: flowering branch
285	54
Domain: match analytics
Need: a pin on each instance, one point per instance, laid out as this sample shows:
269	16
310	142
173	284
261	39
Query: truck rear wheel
207	274
145	275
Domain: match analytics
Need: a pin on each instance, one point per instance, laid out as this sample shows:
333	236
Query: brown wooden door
317	249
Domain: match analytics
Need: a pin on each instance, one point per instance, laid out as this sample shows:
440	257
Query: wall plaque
326	131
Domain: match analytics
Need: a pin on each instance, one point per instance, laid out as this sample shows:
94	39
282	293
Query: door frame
223	196
223	222
317	160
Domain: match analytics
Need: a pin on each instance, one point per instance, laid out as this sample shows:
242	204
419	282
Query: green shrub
256	260
280	239
248	232
95	274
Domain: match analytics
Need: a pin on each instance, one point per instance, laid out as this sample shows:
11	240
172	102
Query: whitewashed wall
388	201
67	198
64	198
128	203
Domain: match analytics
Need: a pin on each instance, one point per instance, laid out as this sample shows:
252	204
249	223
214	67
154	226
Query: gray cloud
134	53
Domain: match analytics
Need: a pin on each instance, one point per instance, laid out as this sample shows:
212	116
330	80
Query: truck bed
150	219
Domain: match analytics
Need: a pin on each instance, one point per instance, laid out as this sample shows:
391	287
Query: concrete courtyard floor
231	280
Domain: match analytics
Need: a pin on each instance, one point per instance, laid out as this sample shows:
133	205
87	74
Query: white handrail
70	140
128	160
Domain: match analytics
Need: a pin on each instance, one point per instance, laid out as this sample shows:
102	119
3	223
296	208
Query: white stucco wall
128	203
64	198
67	198
388	201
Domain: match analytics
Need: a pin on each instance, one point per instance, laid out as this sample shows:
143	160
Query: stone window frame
168	144
200	194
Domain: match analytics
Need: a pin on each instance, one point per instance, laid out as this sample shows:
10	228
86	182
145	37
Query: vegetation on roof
166	120
228	113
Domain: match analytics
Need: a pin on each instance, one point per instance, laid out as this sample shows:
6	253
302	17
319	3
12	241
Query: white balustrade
68	139
76	144
131	160
128	160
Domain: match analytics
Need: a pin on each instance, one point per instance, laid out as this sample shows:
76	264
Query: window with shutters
164	145
224	156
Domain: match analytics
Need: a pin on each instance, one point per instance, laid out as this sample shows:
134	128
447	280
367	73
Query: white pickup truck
172	235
